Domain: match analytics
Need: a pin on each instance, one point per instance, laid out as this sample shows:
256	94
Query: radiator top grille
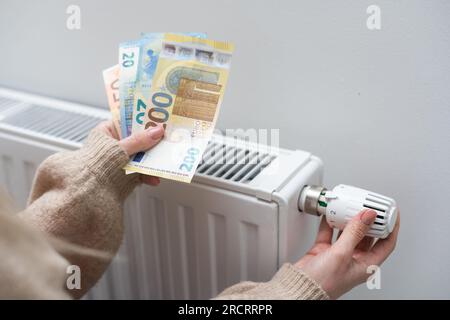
233	163
6	104
32	119
61	124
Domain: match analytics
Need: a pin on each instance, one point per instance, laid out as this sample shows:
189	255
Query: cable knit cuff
297	285
105	159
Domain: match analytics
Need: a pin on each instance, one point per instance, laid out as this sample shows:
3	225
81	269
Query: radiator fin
163	234
189	261
217	251
142	233
30	170
249	248
6	169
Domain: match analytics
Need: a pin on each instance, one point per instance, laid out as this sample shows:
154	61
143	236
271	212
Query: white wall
374	105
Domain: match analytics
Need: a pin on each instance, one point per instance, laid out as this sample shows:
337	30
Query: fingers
150	180
113	131
354	231
142	141
136	143
325	233
103	126
384	247
108	128
365	244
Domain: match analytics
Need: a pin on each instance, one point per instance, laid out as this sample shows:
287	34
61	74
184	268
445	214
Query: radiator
234	222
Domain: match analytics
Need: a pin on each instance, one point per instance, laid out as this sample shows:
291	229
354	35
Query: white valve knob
344	202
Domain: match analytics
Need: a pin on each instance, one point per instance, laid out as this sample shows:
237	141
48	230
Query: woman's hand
135	143
340	266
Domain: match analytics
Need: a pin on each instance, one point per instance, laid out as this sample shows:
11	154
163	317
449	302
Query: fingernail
368	217
157	132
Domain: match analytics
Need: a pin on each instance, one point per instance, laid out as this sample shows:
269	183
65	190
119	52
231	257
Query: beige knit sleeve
289	283
78	196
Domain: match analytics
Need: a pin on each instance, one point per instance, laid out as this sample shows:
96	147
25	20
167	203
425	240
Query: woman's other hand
340	266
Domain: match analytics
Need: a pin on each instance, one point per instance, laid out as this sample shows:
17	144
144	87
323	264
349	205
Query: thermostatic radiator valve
344	202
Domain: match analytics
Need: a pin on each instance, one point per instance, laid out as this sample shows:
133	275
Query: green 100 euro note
186	94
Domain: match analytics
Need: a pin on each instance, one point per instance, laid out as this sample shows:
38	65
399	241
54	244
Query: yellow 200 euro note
111	80
186	94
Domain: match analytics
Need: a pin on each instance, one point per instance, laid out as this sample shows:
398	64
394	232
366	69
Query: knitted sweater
78	196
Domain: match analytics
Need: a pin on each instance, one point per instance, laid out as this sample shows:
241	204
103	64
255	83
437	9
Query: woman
78	196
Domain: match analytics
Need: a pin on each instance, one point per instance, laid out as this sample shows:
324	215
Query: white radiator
234	222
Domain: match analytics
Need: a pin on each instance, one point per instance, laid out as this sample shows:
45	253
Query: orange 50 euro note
186	94
111	80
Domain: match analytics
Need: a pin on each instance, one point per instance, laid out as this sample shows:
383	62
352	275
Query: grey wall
374	105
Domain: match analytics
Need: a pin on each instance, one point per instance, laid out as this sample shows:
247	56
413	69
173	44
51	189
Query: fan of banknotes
174	79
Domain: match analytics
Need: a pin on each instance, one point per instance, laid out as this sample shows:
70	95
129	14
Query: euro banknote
111	80
128	65
185	96
148	59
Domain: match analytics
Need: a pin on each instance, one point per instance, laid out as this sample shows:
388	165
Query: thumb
355	231
143	140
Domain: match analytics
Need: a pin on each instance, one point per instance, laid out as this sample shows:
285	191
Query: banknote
186	93
148	59
128	64
111	80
